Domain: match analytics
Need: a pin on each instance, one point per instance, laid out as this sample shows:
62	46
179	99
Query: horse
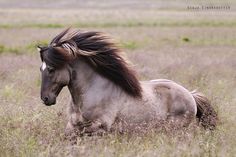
105	89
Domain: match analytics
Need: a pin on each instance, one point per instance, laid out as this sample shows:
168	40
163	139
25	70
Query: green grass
133	45
11	93
197	41
4	49
185	39
130	45
134	23
29	48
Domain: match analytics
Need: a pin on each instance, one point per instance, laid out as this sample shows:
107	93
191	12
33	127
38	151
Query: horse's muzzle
48	101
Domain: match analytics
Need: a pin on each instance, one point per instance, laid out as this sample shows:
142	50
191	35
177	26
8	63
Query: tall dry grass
197	56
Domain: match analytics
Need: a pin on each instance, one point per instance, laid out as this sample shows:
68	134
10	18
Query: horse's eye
51	69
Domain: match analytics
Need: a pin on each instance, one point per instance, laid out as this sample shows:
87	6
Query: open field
195	49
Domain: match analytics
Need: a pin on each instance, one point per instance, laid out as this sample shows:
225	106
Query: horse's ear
39	48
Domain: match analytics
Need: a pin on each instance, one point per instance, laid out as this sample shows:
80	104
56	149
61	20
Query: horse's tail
205	112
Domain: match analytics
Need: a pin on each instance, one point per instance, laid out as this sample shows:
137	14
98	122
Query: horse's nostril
45	99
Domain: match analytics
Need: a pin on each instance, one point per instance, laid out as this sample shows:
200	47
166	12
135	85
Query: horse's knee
76	119
96	128
93	127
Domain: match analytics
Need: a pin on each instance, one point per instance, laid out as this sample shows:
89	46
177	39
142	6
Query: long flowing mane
99	52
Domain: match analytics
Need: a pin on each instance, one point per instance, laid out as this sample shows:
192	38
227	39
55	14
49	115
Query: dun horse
105	90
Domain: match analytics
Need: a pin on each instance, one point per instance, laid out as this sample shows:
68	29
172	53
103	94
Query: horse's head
97	50
55	74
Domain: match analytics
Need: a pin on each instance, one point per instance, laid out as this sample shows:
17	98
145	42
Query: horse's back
161	100
176	99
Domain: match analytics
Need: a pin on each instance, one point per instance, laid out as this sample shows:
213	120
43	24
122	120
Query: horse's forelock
55	57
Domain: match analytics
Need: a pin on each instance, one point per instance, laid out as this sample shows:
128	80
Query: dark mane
99	52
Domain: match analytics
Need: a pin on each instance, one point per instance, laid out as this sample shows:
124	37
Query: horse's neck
89	88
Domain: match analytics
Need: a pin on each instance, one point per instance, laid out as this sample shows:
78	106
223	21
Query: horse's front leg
95	128
75	120
79	128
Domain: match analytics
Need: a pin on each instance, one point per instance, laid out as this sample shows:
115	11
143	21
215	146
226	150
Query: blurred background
192	42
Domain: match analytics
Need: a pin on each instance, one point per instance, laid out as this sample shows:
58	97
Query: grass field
161	39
